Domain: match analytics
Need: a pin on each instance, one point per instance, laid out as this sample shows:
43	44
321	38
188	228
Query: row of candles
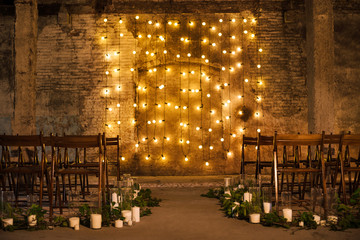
253	188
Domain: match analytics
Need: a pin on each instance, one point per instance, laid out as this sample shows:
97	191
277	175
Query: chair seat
298	170
22	169
77	171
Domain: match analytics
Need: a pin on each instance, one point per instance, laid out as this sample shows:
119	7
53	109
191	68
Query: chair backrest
351	139
21	140
249	141
297	139
86	141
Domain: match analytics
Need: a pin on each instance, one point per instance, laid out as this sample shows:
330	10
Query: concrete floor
184	215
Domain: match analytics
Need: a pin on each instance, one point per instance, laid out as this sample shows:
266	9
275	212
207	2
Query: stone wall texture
74	94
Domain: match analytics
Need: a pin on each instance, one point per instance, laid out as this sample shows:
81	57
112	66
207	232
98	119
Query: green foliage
84	215
308	219
145	212
39	213
273	219
144	199
60	221
214	193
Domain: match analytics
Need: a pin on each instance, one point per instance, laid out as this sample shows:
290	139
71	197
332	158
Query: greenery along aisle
233	204
109	213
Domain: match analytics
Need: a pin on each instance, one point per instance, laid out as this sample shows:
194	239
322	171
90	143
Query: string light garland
203	45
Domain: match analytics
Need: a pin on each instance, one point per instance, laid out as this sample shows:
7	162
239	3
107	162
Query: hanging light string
259	51
180	97
165	101
210	78
146	95
243	58
229	88
201	96
106	75
136	81
119	95
188	87
221	88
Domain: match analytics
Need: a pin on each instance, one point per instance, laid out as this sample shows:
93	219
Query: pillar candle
77	227
227	182
267	207
95	221
73	221
129	223
127	215
332	219
255	218
247	197
287	213
114	197
8	222
119	223
135	212
32	220
317	219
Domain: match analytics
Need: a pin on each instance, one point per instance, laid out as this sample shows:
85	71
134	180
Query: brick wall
71	82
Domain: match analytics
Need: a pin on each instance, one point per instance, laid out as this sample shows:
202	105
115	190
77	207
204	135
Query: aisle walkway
183	215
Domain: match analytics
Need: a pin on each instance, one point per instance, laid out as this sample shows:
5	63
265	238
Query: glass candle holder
286	205
267	199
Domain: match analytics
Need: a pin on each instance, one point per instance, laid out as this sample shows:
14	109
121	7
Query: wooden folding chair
349	163
62	166
260	162
295	169
112	141
28	170
247	141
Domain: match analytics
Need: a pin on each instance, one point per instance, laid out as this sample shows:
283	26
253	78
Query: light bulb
169	104
106	91
147	52
260	50
213	44
217	121
187	142
189	54
210	129
186	159
222	139
227	117
213	28
118	105
123	158
103	38
211	147
154	121
170	22
191	23
258	130
168	139
178	55
150	22
147	157
139	36
181	141
152	54
162	157
258	99
220	20
184	107
137	145
238	64
246	80
206	60
197	128
134	52
220	34
149	35
120	21
224	51
208	95
257	114
240	112
223	68
137	17
245	31
192	72
107	72
155	140
203	23
109	125
110	109
245	20
176	107
200	146
229	153
233	20
258	66
165	52
135	105
206	163
149	122
253	20
212	111
144	139
233	135
252	35
157	24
